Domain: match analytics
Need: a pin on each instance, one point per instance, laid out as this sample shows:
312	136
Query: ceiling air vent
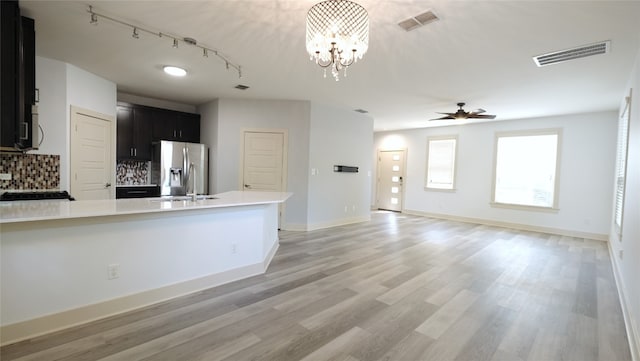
241	87
418	21
570	54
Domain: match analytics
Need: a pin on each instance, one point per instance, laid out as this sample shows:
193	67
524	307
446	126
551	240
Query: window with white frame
526	167
441	162
621	164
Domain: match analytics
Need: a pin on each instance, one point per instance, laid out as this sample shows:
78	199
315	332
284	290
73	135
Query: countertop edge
225	200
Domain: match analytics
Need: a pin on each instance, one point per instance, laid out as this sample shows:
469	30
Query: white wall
627	266
209	136
234	115
51	80
62	85
587	160
339	137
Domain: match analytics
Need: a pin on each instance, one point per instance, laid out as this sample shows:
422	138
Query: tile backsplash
30	171
132	172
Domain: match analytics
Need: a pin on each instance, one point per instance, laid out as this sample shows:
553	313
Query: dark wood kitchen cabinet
18	113
134	133
176	126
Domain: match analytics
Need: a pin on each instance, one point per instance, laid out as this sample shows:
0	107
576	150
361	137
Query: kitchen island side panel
51	267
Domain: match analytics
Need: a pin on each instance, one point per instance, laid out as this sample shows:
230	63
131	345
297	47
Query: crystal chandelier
337	34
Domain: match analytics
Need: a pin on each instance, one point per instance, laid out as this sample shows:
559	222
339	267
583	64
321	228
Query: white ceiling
479	52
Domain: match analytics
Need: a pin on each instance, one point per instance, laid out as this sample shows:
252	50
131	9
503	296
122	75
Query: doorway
91	160
264	161
389	189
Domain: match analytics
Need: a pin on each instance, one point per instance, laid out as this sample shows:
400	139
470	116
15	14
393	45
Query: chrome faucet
192	173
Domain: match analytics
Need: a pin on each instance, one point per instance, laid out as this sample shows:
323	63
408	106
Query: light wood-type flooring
396	288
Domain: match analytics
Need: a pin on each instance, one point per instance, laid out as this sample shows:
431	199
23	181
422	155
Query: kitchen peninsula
66	263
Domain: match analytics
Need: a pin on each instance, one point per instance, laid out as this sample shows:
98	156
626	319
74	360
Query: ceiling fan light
174	70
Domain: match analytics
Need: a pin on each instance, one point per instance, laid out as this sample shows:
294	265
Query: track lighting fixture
94	18
136	29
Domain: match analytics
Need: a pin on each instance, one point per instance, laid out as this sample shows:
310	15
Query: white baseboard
633	334
269	257
518	226
338	222
323	225
46	324
297	227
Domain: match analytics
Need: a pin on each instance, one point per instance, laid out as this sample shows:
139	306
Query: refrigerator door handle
185	168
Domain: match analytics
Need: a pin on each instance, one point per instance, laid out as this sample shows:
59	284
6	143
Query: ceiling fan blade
478	111
447	117
481	116
449	114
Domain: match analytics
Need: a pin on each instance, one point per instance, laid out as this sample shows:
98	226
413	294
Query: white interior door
263	161
92	166
390	179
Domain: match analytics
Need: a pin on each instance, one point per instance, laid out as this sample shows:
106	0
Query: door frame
73	119
404	174
285	161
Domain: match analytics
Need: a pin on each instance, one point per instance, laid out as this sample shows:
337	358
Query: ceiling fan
461	114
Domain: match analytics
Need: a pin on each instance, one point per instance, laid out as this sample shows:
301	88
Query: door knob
247	186
107	185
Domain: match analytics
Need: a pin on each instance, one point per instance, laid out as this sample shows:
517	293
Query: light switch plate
5	176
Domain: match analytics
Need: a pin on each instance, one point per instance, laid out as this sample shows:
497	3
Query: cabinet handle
131	152
174	133
180	134
24	135
135	152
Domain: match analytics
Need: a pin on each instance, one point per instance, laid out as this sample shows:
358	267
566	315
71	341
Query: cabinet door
124	139
162	126
189	127
142	133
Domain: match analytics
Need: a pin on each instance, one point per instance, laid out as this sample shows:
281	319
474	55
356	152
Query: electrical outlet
234	248
113	271
5	176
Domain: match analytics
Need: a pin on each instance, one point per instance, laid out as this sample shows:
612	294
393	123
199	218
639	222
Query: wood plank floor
396	288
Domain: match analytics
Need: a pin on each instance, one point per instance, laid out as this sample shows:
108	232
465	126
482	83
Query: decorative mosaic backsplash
132	172
30	171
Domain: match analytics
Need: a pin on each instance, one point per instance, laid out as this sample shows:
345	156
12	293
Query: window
526	166
441	162
621	164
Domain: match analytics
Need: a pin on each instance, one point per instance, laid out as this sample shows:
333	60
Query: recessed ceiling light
175	71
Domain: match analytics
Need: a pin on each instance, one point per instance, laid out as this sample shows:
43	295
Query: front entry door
92	166
390	179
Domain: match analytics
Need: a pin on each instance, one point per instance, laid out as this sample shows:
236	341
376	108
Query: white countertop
28	211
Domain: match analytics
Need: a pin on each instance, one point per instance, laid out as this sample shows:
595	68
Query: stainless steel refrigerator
175	166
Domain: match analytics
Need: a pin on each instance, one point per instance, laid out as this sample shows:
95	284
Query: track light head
135	33
175	43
